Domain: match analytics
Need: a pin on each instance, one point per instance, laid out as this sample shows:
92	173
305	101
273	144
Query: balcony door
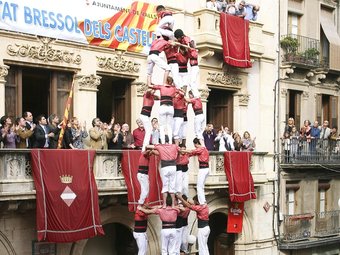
327	108
114	98
293	109
38	90
220	108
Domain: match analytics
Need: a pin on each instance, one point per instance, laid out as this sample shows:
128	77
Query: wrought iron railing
302	50
327	223
305	226
299	150
297	227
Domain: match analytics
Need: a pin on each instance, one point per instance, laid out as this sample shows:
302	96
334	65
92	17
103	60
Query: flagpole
66	115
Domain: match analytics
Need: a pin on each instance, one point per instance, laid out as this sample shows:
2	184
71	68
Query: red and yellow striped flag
129	30
66	115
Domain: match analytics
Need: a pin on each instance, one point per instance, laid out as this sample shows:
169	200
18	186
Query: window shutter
334	111
318	110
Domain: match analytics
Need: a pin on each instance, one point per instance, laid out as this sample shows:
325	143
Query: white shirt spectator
213	5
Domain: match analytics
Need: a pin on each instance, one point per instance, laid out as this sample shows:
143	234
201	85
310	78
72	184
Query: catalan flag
130	29
66	115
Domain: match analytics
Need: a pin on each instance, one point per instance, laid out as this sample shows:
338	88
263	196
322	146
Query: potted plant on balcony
311	55
290	46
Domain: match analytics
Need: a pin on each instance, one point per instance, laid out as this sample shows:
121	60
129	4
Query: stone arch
121	215
5	245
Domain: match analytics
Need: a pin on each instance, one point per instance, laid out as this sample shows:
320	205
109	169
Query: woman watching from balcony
8	133
76	134
248	144
305	137
294	137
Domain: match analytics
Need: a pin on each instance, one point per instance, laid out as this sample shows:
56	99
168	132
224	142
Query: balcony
16	182
302	51
301	231
317	152
297	227
208	38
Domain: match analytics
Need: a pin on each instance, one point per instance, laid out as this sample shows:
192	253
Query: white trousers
202	236
199	125
148	129
166	22
166	120
174	74
142	242
153	60
179	181
168	241
179	232
183	130
177	126
185	183
201	178
184	244
168	175
184	79
143	180
193	80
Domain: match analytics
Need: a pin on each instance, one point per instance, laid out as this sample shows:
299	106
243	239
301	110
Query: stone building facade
36	73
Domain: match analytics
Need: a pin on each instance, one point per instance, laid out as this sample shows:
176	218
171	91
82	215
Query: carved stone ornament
305	94
204	94
141	88
3	71
43	52
243	99
118	63
286	71
225	79
88	82
284	92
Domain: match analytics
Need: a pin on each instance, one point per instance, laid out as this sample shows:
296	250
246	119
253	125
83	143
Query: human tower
179	89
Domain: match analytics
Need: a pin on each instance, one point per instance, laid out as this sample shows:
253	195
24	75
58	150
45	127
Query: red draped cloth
66	195
240	180
235	40
130	169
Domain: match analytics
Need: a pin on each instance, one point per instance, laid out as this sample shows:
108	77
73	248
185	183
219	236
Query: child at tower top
166	22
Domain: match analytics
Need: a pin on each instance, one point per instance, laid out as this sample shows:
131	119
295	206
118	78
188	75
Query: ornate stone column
85	97
241	101
3	74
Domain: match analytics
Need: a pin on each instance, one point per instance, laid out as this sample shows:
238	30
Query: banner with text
125	25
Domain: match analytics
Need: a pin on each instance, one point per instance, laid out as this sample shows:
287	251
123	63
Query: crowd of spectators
309	140
243	10
224	140
44	133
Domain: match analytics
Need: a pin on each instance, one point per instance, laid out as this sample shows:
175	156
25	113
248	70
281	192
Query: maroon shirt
192	53
158	46
141	221
143	163
179	105
167	93
167	151
197	105
182	159
138	136
202	211
162	14
168	214
203	156
148	102
170	53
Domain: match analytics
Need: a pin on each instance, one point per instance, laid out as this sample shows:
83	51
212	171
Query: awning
333	38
